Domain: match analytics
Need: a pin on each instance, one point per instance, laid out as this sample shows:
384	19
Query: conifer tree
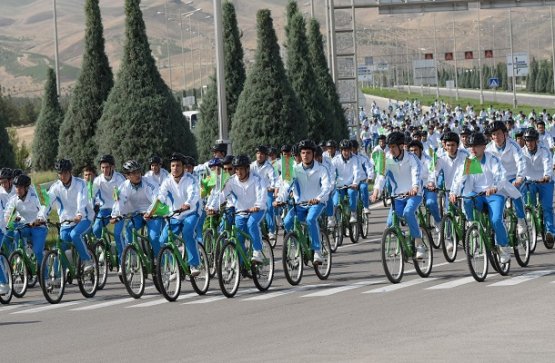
7	157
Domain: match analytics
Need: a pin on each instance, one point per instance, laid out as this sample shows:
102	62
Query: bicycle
452	230
519	242
172	265
425	220
534	218
397	248
57	268
362	218
345	215
209	239
23	263
235	260
297	252
106	253
479	245
6	268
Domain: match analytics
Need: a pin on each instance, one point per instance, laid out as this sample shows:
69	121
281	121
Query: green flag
42	194
287	168
115	194
10	226
160	209
90	189
472	166
433	163
379	162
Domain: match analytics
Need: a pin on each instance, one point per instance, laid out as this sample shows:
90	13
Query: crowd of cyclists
424	156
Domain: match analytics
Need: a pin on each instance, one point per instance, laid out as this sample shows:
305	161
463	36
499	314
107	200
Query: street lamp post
512	57
220	76
480	61
552	45
56	62
168	42
436	59
455	59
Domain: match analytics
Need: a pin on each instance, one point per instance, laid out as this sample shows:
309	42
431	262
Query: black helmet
345	144
319	151
107	159
241	160
381	137
331	143
262	149
466	131
355	144
295	149
477	138
451	136
6	173
531	134
178	157
22	181
215	162
307	144
63	165
273	150
497	125
131	166
189	160
220	148
416	143
286	148
395	138
154	159
16	172
228	159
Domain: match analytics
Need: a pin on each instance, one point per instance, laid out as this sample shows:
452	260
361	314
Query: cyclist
539	168
156	172
403	170
367	171
262	167
89	173
311	185
181	192
331	149
510	154
25	203
464	135
70	197
250	192
6	177
348	173
381	145
492	173
136	195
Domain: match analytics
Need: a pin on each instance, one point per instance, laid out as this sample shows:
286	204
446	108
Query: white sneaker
353	218
504	254
4	289
88	266
366	210
272	236
318	259
331	222
257	257
194	271
436	230
549	238
420	249
450	246
119	270
521	227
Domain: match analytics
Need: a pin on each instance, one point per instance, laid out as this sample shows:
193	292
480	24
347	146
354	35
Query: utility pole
56	61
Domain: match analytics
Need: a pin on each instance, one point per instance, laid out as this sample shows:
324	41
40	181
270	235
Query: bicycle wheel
7	297
88	280
210	249
502	268
393	256
292	258
522	248
338	229
476	254
424	266
263	273
323	270
52	277
354	232
20	274
532	230
201	282
547	243
448	238
132	271
229	266
441	203
32	279
364	225
168	274
102	258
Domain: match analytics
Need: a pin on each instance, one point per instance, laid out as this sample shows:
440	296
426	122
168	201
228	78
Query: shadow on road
20	322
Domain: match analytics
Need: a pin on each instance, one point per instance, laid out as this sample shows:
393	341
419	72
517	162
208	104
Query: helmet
16	172
451	136
395	138
331	143
6	173
107	159
466	131
273	150
262	149
63	165
319	151
497	125
307	144
189	160
220	148
354	144
295	149
531	134
22	181
215	162
241	160
416	143
286	148
178	157
381	137
345	144
476	139
228	159
131	166
154	159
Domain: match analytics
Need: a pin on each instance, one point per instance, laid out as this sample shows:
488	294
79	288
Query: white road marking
399	286
523	278
336	290
217	298
162	301
110	303
284	292
47	307
452	284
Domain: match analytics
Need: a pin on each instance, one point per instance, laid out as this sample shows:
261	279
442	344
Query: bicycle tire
323	270
424	266
447	233
393	256
434	237
201	282
131	268
532	230
168	274
229	268
51	271
292	259
102	259
441	202
7	297
338	231
476	254
210	249
88	281
263	273
501	268
354	232
522	248
20	274
364	225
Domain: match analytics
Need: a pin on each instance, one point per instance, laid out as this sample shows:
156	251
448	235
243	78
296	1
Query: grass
40	177
428	99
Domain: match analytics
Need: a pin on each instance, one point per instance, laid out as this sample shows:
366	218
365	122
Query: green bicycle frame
147	262
396	225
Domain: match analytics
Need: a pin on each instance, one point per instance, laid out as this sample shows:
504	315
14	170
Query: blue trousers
270	213
431	202
227	217
250	224
187	229
519	205
3	276
153	226
329	206
310	214
495	204
546	199
353	195
37	236
74	234
406	208
363	187
199	225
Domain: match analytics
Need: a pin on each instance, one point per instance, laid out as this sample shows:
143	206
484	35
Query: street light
56	62
188	15
200	54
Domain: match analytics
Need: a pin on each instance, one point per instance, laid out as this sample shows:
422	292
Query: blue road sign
494	82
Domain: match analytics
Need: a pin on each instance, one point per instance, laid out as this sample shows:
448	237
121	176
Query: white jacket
27	209
449	166
70	202
103	189
174	194
493	173
539	164
266	171
347	172
403	175
158	178
133	199
248	194
310	183
512	158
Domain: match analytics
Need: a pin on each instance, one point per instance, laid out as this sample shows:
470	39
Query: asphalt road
356	315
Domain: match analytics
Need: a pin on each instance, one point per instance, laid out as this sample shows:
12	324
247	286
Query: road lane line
47	307
217	298
285	292
399	286
452	284
336	290
523	278
162	301
110	303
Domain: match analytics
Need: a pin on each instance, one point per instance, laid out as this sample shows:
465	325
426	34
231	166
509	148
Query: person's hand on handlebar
314	201
375	195
413	191
254	209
